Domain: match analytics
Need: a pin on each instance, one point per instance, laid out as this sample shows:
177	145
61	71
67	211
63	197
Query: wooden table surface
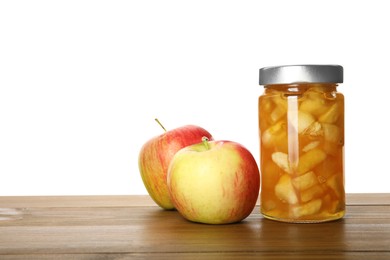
133	227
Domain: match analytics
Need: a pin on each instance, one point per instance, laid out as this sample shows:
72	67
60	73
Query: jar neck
301	87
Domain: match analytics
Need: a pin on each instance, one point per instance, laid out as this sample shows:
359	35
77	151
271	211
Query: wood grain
124	227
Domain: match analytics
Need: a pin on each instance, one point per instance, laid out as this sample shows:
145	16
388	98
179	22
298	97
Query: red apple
214	182
156	155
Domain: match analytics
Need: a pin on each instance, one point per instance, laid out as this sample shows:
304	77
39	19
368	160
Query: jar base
333	217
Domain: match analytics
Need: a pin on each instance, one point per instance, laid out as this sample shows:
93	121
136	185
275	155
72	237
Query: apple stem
205	142
160	124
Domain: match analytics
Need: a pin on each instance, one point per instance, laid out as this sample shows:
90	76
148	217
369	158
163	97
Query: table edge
143	200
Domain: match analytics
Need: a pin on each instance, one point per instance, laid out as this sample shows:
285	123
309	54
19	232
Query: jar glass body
302	152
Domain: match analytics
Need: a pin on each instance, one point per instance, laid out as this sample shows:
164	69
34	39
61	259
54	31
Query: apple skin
216	182
156	155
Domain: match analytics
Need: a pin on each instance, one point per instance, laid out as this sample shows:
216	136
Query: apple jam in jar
301	123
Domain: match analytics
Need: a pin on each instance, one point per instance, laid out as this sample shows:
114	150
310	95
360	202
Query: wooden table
133	227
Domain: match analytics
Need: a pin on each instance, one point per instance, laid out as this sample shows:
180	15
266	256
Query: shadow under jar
301	128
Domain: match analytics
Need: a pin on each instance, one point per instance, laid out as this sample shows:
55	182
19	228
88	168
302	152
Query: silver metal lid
301	74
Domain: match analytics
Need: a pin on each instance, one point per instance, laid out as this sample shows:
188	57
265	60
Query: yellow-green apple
156	154
214	182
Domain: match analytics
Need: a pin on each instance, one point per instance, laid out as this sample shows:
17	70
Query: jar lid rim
307	73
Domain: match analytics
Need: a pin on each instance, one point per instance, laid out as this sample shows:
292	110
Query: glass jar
301	127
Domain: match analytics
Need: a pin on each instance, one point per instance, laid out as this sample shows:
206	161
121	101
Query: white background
82	81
